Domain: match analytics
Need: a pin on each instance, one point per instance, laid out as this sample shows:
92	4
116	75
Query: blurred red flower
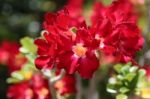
10	56
35	88
67	85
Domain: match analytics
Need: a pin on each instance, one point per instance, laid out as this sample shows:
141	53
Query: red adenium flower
68	50
117	30
36	88
81	55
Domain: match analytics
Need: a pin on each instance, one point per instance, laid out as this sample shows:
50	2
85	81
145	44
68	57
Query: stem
52	90
92	92
79	88
60	76
52	79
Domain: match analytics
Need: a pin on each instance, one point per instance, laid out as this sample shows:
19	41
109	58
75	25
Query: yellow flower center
79	50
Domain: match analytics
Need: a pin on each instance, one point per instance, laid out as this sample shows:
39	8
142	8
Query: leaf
107	2
111	88
21	75
141	72
28	45
17	75
120	77
12	80
118	67
124	90
130	76
125	69
28	67
30	58
122	96
133	69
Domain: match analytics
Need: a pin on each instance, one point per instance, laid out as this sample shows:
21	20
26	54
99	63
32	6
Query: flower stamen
79	50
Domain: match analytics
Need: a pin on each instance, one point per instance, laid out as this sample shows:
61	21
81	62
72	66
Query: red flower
6	50
117	31
81	55
75	10
68	50
40	87
67	85
36	88
10	56
56	22
20	91
99	11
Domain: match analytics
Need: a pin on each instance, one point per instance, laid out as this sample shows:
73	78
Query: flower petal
42	61
88	66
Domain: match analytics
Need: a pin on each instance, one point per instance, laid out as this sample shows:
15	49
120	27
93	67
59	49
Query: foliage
127	80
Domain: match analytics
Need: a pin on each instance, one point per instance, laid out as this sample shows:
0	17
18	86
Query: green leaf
130	76
133	69
125	69
24	74
122	96
107	2
28	45
124	90
29	67
141	72
118	67
30	58
17	75
111	88
12	80
120	77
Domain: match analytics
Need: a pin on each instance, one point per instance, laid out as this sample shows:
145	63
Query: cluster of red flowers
68	43
118	30
35	88
10	56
